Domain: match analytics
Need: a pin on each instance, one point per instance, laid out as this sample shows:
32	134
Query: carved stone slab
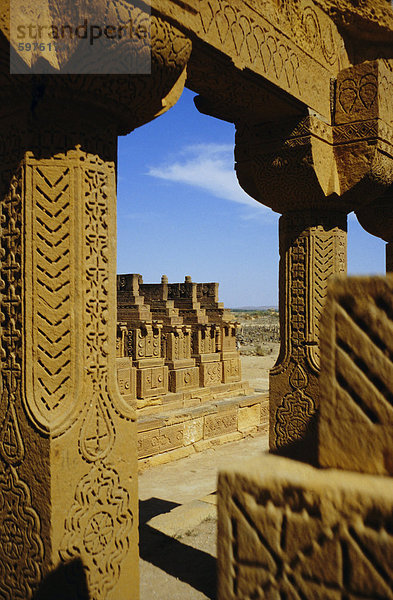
183	379
210	374
356	382
151	382
287	530
126	379
232	370
220	423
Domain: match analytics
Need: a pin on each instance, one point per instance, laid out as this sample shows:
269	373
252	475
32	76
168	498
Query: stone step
172	401
175	433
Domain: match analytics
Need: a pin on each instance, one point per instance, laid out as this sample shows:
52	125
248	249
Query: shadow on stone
305	449
154	506
66	582
192	566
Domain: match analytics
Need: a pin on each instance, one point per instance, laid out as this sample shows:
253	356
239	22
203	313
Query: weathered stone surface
193	431
287	529
183	379
160	440
356	411
151	382
231	368
67	437
312	250
221	423
126	379
148	443
171	437
210	374
249	416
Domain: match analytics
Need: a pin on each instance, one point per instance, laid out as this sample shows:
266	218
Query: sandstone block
210	374
152	382
287	530
356	413
171	437
193	431
249	416
219	424
148	443
183	379
159	440
231	370
126	379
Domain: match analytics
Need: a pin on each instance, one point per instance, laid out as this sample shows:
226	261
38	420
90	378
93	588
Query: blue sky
182	212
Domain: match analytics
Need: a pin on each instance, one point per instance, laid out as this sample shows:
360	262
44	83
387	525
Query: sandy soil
255	369
178	524
178	511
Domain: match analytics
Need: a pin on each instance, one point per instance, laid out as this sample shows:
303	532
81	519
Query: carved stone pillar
68	484
68	471
312	249
314	166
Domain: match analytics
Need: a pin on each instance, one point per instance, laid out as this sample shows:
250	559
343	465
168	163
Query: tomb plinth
204	347
207	294
176	337
199	349
144	340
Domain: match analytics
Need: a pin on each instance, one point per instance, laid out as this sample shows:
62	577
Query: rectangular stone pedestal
210	374
183	379
231	367
287	530
151	382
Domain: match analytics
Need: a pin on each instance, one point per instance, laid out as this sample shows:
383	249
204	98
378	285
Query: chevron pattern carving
326	260
323	268
53	281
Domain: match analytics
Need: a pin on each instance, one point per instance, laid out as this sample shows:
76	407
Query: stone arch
309	110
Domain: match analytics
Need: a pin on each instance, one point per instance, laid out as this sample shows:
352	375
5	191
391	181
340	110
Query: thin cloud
208	167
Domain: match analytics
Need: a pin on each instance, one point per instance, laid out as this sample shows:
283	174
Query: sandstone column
312	249
68	483
315	169
68	470
281	165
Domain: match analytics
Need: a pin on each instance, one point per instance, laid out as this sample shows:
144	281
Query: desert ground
178	521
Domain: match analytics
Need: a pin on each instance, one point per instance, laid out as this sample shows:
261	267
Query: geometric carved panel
287	530
21	548
356	413
98	527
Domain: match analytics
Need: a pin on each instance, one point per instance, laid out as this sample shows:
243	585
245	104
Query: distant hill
254	307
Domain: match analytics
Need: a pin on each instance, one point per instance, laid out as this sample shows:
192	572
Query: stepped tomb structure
177	361
308	86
